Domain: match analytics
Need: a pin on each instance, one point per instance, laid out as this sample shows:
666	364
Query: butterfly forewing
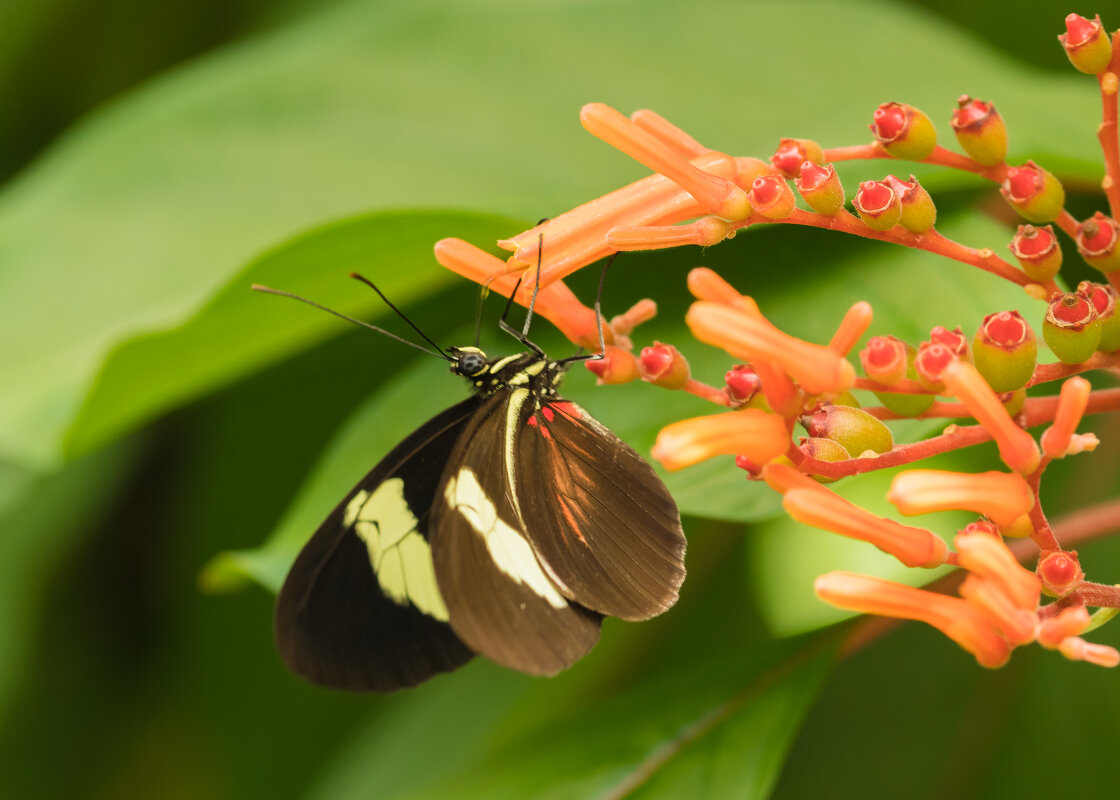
596	513
360	609
501	600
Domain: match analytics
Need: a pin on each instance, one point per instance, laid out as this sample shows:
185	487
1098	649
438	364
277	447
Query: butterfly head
467	361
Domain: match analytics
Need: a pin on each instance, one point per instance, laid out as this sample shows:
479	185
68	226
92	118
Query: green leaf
145	211
41	517
240	331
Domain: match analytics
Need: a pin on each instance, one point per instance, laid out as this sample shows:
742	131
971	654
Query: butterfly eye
471	363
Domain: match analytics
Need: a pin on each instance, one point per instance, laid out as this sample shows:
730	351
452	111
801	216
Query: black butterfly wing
597	514
502	603
360	609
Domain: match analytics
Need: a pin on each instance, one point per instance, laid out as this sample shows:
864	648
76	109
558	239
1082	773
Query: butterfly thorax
528	370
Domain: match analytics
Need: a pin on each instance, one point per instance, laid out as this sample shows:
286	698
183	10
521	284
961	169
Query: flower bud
1096	241
980	131
981	526
824	450
616	366
664	366
1033	192
884	360
904	131
931	359
1060	572
954	339
918	211
854	428
1086	44
1103	297
902	403
792	153
744	386
1037	251
771	196
877	205
1005	351
820	187
1071	328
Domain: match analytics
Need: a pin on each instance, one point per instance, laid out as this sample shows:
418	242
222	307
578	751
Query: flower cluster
777	384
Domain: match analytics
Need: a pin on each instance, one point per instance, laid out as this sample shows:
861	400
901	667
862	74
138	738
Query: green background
168	436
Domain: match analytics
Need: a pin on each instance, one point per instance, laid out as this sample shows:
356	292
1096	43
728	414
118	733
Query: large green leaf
138	217
240	331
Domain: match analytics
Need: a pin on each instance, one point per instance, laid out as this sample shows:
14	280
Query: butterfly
508	525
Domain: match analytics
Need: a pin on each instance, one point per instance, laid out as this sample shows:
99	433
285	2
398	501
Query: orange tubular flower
1077	649
968	627
706	231
718	195
1002	497
668	133
1069	622
989	558
1017	625
1017	448
751	432
819	370
555	302
914	547
705	284
852	328
578	237
1071	405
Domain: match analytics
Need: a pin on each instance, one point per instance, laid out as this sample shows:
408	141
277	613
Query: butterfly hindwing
596	513
360	609
501	600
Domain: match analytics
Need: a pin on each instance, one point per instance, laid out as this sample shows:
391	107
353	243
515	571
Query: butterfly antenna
598	320
256	287
536	288
399	313
599	307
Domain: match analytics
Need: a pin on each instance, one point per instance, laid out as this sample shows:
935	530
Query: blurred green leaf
239	331
143	213
40	519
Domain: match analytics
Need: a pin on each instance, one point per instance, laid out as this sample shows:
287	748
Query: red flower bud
1104	300
792	153
1086	44
877	205
980	131
1033	192
742	384
918	211
1071	328
1096	241
1005	351
884	359
904	404
931	359
771	196
981	526
663	365
820	187
1037	251
954	339
904	131
1060	572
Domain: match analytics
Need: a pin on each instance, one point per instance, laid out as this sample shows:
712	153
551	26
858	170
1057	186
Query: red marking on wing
548	413
545	433
568	409
532	420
